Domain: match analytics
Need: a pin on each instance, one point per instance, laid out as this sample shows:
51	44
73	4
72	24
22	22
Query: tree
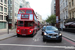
51	19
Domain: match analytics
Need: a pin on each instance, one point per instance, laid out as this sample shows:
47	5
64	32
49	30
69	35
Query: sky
42	7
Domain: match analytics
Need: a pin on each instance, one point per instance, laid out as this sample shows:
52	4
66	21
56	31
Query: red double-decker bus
27	22
39	25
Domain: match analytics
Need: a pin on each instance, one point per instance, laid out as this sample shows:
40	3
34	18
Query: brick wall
58	12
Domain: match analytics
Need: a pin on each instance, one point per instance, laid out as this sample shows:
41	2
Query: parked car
73	25
52	33
68	25
43	29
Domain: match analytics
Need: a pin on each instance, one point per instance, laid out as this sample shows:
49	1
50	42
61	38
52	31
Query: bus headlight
17	30
30	31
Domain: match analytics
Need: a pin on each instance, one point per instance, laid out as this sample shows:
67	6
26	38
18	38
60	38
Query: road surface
35	43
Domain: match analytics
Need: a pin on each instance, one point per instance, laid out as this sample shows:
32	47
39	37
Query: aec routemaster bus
39	25
27	22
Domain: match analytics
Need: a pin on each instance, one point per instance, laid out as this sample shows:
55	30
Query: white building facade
3	14
53	7
13	7
24	4
28	5
63	12
39	17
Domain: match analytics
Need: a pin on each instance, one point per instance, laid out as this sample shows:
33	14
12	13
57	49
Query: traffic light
7	17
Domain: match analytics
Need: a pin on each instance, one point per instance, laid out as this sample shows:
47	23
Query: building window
54	7
15	14
70	15
66	15
1	17
10	1
72	2
66	2
1	0
1	8
10	14
55	11
4	17
5	1
69	4
10	8
5	9
2	25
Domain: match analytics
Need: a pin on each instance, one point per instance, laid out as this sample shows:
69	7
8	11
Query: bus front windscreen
20	23
25	24
28	24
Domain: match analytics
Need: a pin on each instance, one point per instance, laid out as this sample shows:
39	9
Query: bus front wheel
32	34
18	35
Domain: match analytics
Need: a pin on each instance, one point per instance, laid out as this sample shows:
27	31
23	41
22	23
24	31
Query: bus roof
26	9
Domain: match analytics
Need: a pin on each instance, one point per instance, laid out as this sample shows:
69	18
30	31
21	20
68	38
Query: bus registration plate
23	34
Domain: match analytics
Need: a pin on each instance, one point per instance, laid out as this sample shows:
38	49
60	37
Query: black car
52	33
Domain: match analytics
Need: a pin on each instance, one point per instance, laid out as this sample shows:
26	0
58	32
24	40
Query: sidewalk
68	35
6	31
4	34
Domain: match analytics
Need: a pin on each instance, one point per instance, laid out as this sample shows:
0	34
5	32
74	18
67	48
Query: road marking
37	39
69	41
39	46
37	34
45	43
69	38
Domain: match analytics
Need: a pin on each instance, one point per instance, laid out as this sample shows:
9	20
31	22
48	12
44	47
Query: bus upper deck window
22	11
28	11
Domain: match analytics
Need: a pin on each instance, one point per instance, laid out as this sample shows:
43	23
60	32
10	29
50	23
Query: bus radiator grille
24	31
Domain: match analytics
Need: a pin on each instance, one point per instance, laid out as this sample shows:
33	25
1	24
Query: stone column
13	14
